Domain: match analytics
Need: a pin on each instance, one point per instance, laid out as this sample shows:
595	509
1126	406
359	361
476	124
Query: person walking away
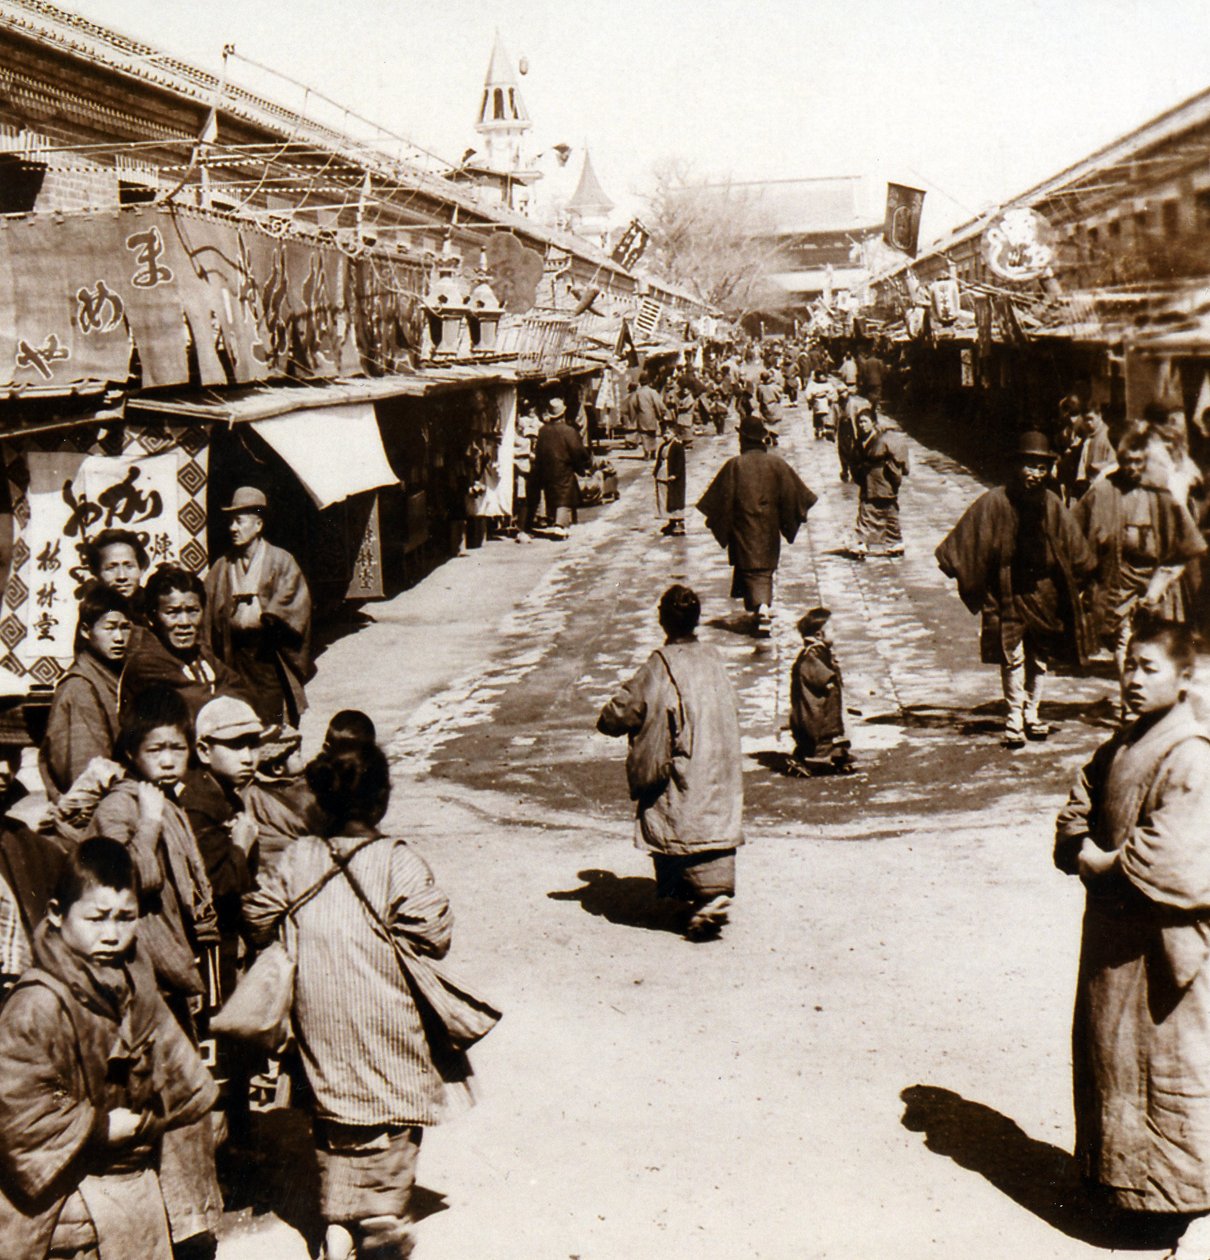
649	413
1142	539
559	454
96	1073
173	654
671	481
258	613
768	402
680	715
872	377
1019	557
755	500
377	1077
880	463
817	702
848	371
83	720
525	490
1134	831
849	406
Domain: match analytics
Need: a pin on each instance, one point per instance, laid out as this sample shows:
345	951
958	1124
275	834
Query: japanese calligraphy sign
64	498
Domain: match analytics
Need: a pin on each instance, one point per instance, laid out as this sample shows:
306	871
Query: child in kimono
670	482
817	703
96	1071
1134	831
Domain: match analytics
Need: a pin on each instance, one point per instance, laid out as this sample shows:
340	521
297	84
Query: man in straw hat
258	613
755	500
1018	557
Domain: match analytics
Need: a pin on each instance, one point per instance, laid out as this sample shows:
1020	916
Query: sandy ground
873	1061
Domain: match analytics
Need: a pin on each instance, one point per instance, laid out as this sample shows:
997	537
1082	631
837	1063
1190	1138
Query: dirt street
873	1061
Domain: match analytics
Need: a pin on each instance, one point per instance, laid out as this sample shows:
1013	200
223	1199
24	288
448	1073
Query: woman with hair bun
376	1080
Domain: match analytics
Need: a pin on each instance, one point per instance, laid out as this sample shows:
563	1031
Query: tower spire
503	118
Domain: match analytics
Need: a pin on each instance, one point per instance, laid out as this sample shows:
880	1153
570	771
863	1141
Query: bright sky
973	100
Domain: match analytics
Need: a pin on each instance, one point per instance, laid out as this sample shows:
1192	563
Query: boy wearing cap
817	702
258	613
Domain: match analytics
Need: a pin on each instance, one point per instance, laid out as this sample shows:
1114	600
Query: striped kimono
360	1036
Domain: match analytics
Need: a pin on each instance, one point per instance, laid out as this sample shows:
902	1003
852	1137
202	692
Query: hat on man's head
227	717
812	620
752	429
1034	445
555	408
247	499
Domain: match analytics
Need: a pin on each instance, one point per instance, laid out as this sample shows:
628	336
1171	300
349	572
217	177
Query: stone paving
860	1068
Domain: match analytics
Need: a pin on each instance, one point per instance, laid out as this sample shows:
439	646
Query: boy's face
1153	680
110	636
101	925
163	756
232	761
118	567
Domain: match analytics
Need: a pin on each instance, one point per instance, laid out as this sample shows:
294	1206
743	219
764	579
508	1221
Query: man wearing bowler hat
559	454
258	613
1019	558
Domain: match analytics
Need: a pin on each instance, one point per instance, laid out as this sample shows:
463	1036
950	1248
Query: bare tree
714	239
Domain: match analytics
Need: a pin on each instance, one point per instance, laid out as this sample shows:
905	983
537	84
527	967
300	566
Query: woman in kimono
375	1077
1134	830
96	1071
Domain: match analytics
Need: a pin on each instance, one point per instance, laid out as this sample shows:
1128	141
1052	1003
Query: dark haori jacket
77	1042
669	473
285	602
880	466
558	455
755	500
816	699
83	722
979	553
198	680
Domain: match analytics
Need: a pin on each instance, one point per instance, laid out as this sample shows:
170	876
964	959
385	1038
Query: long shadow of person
1040	1177
627	900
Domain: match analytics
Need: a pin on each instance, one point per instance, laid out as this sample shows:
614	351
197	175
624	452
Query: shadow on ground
627	900
1036	1175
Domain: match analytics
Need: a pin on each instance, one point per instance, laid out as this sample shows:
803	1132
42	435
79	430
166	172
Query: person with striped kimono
376	1078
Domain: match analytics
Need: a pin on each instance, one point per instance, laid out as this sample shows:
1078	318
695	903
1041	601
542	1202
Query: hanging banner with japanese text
901	229
62	499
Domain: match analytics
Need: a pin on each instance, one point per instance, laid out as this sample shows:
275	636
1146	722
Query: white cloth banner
72	497
334	451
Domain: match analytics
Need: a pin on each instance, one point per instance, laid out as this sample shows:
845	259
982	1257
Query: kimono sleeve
286	598
46	1119
1074	822
264	907
814	673
1166	856
186	1088
76	732
418	910
627	711
118	818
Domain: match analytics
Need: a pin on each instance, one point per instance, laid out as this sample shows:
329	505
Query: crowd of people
199	907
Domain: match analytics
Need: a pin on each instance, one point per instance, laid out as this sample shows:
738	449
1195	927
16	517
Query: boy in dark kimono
96	1070
817	703
670	479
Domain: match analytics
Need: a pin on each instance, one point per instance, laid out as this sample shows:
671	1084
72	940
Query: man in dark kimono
1018	556
258	614
559	454
755	500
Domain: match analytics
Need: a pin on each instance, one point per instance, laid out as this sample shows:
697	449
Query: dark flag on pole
902	227
631	245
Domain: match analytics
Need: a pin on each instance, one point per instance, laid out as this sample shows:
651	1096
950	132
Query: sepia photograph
604	630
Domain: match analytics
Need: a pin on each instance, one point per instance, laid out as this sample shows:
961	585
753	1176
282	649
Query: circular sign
1019	244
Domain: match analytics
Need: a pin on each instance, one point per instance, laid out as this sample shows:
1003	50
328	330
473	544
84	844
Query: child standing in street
96	1070
817	702
1134	830
670	480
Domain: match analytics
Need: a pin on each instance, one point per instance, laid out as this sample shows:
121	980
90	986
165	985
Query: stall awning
334	451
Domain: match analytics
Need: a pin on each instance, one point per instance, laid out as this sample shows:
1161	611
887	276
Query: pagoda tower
503	118
588	205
